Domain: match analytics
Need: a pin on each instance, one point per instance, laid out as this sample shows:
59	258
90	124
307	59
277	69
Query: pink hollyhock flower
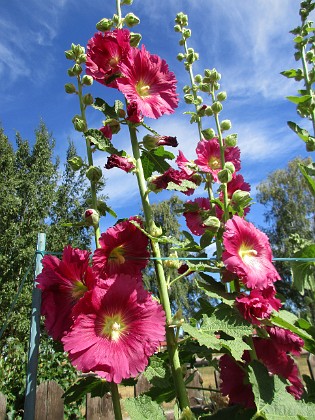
248	254
234	383
107	131
116	330
115	161
172	175
184	164
63	282
133	114
194	216
148	82
258	305
209	159
286	340
123	250
105	51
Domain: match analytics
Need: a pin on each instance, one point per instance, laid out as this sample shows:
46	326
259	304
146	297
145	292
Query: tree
290	218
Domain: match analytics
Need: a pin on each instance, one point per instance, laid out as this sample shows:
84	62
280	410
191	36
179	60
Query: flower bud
126	2
180	57
156	231
230	140
81	59
230	166
78	50
209	111
198	78
76	69
186	89
177	28
224	175
221	96
181	19
135	39
189	99
151	142
216	107
213	224
91	217
114	125
173	262
201	110
204	87
71	72
94	173
104	25
88	99
131	20
186	33
225	125
208	133
79	124
70	88
241	198
75	163
213	75
69	55
87	80
310	144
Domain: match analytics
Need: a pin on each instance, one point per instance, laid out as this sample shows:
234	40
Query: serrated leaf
103	106
272	400
184	186
215	289
301	132
155	161
310	181
142	408
156	371
206	239
299	99
90	384
99	140
303	272
227	320
289	73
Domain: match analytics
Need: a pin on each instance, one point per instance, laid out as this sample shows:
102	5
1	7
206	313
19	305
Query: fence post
32	360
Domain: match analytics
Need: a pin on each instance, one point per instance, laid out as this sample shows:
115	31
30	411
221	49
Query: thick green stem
162	285
308	84
116	400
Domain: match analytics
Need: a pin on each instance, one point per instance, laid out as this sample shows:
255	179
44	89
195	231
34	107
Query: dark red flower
115	161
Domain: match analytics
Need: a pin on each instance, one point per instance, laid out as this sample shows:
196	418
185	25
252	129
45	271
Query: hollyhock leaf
157	373
215	289
118	105
272	399
310	181
289	73
206	239
160	151
303	272
234	412
155	160
143	407
299	99
227	320
309	395
109	111
301	132
98	139
103	209
183	187
89	384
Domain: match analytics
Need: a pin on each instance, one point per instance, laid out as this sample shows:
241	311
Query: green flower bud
126	2
216	107
221	96
208	133
198	78
71	72
225	125
104	25
213	75
181	19
88	99
213	224
241	197
189	99
135	39
310	144
177	28
79	124
224	175
69	55
91	217
230	166
198	100
78	50
131	20
87	80
181	56
310	55
205	87
70	88
186	33
81	59
94	173
77	69
209	111
173	262
181	42
230	140
156	231
114	125
75	163
186	89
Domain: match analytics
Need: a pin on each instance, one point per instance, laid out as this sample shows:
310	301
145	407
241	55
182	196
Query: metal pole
32	360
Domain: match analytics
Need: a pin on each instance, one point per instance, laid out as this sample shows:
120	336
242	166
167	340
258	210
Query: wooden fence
50	406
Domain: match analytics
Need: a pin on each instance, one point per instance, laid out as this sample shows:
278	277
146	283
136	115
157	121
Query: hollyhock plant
63	282
123	249
105	51
148	82
248	254
209	157
258	305
115	161
116	330
194	216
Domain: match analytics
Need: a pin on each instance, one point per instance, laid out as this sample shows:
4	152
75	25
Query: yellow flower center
113	326
117	255
214	162
142	89
114	61
78	289
247	254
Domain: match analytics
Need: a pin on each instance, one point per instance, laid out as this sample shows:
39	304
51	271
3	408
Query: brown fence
50	406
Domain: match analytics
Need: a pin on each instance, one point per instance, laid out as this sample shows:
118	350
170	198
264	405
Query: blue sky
247	41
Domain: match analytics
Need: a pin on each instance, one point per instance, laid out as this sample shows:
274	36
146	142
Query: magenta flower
258	305
184	164
161	182
196	215
123	250
116	330
148	82
107	131
133	114
248	254
209	160
63	282
115	161
104	54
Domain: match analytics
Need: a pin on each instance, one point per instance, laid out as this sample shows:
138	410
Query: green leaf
90	384
103	209
159	375
155	161
301	132
215	289
206	239
99	140
142	407
290	73
183	187
310	181
272	400
224	329
299	99
109	111
309	395
303	272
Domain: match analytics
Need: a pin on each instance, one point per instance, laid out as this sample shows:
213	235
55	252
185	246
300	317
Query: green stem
116	400
162	286
307	84
118	7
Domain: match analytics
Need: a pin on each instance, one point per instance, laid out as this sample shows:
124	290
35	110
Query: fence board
49	402
3	405
99	408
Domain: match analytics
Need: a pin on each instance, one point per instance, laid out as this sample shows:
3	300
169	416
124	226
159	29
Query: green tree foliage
290	219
